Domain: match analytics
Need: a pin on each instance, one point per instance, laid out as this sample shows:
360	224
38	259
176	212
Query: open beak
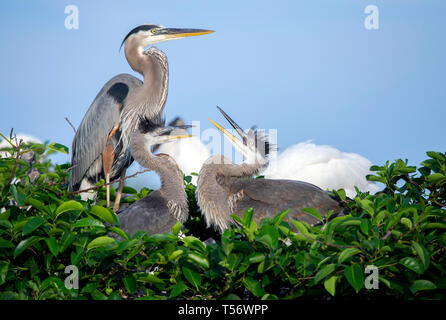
176	33
239	145
237	128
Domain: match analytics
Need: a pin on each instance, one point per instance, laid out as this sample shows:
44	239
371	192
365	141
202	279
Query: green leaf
365	226
436	225
70	205
18	196
436	177
412	264
367	206
313	212
330	285
36	204
269	236
419	285
6	244
422	253
88	222
407	222
129	190
32	225
6	224
119	232
341	194
103	213
147	277
247	217
324	272
436	155
100	242
198	258
24	244
177	289
253	286
279	217
3	272
193	277
58	147
52	245
176	228
130	283
355	276
347	253
174	255
188	179
256	257
300	226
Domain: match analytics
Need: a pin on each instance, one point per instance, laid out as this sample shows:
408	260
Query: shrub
44	229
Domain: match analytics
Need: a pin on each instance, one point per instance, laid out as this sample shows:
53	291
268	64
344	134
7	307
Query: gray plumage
91	136
225	188
114	114
120	103
160	209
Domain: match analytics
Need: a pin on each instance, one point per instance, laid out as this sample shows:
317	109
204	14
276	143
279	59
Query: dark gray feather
103	114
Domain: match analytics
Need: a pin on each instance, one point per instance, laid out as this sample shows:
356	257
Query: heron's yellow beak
175	33
233	139
171	138
229	135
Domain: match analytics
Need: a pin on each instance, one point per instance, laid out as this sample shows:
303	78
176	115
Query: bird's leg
107	160
119	193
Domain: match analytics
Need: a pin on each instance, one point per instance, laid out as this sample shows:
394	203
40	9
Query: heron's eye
154	31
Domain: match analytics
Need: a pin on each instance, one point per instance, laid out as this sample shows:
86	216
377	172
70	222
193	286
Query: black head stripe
144	27
149	125
262	141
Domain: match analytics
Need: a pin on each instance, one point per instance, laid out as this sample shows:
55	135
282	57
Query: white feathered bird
189	154
324	166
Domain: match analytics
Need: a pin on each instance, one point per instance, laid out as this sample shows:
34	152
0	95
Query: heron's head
148	34
156	133
254	145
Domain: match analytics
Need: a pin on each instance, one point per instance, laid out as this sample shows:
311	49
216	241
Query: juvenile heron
161	209
225	188
101	143
189	154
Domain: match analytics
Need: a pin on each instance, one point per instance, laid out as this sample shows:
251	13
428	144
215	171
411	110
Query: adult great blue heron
160	209
225	188
101	144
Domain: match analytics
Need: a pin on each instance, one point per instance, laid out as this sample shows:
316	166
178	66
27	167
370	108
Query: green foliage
44	228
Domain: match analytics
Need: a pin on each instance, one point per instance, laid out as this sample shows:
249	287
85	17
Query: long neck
152	65
149	99
214	181
172	184
213	198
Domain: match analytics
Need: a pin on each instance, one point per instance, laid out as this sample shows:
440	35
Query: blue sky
308	68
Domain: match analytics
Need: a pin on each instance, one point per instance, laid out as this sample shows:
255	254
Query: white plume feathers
189	154
324	166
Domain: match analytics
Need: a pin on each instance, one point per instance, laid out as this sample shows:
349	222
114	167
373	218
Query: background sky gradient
308	68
